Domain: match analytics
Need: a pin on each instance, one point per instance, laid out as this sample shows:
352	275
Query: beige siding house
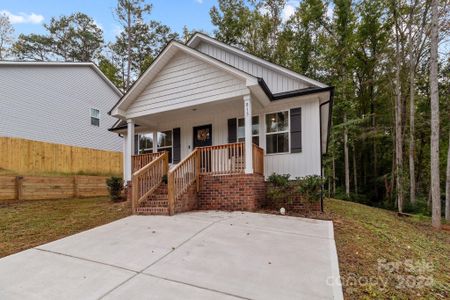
218	111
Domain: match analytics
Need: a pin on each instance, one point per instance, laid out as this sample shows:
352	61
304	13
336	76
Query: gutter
295	93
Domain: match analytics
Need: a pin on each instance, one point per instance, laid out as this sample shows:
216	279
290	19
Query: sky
28	16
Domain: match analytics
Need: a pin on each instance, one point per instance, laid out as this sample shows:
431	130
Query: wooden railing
148	178
222	159
141	160
258	160
182	176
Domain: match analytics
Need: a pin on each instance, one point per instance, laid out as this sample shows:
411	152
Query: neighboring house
58	102
219	100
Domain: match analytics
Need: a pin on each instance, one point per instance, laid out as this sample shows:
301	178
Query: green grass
28	224
366	236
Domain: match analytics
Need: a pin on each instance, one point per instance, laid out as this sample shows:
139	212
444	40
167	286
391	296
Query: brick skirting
188	200
231	192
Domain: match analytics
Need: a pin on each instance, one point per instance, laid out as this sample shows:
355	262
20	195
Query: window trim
165	147
288	130
253	135
91	117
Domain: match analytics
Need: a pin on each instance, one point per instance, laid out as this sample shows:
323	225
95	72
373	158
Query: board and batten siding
183	82
52	104
307	162
276	82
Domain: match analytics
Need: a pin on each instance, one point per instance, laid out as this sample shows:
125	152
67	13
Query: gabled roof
63	64
171	48
199	37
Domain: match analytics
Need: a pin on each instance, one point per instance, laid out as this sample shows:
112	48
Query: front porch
211	177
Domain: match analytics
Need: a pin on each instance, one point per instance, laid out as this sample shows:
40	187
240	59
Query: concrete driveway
196	255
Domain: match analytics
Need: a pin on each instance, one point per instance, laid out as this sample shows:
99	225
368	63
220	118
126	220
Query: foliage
6	35
70	38
115	187
310	187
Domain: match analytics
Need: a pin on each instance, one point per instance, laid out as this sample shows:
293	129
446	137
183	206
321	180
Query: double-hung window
277	132
95	117
165	143
255	130
145	143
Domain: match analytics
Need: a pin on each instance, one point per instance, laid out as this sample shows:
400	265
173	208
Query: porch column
155	141
130	148
248	134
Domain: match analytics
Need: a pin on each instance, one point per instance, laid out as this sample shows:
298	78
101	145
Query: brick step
155	203
155	196
162	211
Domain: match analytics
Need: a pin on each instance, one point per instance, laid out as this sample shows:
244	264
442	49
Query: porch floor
195	255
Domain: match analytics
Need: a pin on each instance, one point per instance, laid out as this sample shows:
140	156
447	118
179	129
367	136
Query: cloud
289	10
23	18
199	1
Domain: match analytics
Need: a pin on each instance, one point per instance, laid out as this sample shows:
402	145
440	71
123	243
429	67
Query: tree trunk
435	184
412	144
398	127
447	184
334	175
355	175
346	163
129	59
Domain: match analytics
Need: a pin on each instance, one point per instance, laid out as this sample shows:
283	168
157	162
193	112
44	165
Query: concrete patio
196	255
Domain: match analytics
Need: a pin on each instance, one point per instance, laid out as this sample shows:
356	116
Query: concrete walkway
197	255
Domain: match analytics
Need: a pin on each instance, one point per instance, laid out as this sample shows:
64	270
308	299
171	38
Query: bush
115	187
310	187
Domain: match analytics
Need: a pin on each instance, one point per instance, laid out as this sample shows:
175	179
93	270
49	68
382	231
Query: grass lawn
383	256
28	224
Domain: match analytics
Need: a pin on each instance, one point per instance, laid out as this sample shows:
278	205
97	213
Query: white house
58	102
209	96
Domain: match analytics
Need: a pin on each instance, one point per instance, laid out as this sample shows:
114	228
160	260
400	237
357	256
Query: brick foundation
231	192
294	202
188	200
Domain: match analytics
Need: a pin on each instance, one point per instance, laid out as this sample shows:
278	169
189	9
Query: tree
69	38
434	95
447	184
6	36
110	71
140	41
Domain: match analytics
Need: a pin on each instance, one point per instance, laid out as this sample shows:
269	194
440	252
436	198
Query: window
145	143
164	143
277	132
95	117
255	130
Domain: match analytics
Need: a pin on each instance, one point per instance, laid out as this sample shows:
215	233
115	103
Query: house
58	102
225	120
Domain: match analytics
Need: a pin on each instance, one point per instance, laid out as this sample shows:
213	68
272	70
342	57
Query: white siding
276	82
183	82
297	164
52	104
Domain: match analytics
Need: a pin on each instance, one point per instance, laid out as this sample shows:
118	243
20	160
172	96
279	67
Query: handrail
258	160
147	179
182	176
222	159
140	160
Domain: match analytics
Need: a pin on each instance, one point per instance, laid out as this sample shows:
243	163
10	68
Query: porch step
156	204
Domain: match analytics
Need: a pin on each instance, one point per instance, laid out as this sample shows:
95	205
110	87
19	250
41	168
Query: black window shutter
176	152
296	130
136	144
232	130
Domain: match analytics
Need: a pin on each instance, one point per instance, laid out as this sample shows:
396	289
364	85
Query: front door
203	136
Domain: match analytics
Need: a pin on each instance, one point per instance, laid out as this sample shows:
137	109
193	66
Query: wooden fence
51	187
31	157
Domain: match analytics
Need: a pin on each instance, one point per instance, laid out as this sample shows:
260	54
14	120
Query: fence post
197	169
170	193
19	188
76	191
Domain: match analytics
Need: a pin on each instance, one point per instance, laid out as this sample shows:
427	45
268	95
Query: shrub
279	189
279	180
115	187
310	187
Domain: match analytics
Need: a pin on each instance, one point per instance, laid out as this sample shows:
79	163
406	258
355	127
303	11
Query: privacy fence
31	157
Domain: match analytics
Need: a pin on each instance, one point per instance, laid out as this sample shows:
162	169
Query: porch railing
222	159
141	160
147	179
258	160
182	176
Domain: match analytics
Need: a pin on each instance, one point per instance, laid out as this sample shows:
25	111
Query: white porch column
155	141
130	148
248	134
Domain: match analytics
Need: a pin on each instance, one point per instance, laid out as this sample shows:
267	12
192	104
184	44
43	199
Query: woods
388	61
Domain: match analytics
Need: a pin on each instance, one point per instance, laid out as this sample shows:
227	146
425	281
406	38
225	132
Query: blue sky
28	16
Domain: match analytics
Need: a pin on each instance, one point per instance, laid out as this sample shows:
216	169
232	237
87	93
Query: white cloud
199	1
289	10
23	18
